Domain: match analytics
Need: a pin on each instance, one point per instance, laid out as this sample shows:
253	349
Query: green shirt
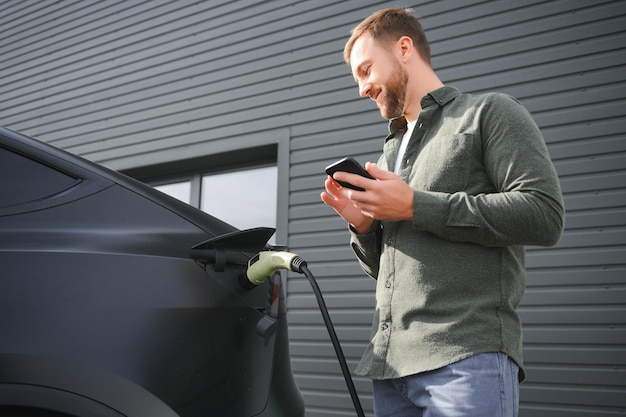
449	282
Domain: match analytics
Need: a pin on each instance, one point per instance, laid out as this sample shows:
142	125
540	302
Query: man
464	182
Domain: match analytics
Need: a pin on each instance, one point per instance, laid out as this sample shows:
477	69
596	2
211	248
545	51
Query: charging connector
264	264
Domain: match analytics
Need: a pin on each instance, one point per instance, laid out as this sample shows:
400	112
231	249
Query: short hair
389	25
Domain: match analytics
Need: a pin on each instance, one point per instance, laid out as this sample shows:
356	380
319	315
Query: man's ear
405	48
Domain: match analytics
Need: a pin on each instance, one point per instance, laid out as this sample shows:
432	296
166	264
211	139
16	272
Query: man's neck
414	108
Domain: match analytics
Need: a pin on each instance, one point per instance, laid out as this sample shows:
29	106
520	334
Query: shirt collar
397	127
440	96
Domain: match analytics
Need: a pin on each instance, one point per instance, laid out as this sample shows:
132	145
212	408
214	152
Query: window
244	198
179	190
245	185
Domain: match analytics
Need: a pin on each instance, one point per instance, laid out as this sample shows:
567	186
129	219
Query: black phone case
350	165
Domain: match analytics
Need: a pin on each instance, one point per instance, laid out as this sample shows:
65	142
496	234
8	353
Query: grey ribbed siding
135	84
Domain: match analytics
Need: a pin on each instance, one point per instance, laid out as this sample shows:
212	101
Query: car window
23	180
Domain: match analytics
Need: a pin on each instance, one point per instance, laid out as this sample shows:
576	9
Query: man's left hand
387	198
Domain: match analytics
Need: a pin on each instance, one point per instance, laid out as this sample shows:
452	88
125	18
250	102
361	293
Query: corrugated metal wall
133	84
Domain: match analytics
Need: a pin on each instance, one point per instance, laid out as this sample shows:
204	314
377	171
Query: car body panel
98	273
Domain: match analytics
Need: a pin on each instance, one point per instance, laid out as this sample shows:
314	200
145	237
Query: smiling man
463	184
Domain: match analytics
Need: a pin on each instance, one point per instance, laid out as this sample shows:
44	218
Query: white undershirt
410	126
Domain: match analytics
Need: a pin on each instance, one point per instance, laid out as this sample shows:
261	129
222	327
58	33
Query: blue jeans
484	385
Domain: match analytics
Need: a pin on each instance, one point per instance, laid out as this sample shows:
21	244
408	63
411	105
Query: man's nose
364	89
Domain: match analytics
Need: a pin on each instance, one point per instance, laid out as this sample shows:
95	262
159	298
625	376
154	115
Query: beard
394	93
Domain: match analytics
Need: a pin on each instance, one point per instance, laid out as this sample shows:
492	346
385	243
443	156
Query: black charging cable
265	263
333	337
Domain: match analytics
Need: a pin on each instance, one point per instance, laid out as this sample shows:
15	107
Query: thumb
377	172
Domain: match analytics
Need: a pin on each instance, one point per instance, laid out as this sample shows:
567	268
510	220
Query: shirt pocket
444	163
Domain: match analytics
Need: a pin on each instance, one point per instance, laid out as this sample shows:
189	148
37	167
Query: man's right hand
334	198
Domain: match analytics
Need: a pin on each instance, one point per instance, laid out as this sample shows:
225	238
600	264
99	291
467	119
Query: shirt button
384	326
387	284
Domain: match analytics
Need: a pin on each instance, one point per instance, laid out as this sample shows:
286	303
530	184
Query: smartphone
350	165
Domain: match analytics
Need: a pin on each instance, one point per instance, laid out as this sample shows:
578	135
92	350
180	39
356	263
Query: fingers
333	196
378	173
332	187
354	179
362	182
329	200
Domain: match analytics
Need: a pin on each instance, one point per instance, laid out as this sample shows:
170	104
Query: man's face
379	75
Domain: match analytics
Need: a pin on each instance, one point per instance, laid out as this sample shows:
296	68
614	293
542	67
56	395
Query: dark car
118	300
